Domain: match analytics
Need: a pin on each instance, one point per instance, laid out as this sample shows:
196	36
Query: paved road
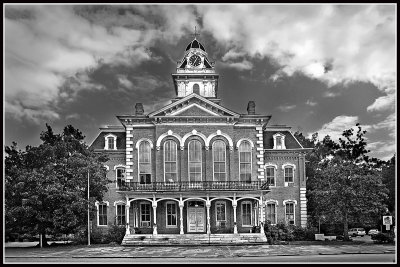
350	258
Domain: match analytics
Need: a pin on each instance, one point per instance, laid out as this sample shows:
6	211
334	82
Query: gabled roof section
193	105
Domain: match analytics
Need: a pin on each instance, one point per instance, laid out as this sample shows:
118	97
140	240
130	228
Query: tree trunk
42	231
345	227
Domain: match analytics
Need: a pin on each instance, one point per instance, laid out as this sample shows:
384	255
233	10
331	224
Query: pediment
193	106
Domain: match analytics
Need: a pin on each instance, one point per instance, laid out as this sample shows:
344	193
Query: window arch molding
289	165
290	201
244	139
271	165
274	201
219	133
142	140
194	132
119	166
106	138
164	135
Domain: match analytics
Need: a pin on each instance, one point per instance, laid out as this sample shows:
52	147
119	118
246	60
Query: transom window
170	161
245	161
270	175
145	209
194	161
120	177
219	157
271	215
102	214
288	174
144	163
246	213
289	212
120	214
171	214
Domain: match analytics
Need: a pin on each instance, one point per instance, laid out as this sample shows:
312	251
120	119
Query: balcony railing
195	186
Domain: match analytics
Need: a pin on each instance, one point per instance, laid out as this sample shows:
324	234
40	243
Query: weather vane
195	33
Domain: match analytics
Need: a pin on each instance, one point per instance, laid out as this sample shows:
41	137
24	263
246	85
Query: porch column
127	206
181	204
155	215
208	205
234	205
261	215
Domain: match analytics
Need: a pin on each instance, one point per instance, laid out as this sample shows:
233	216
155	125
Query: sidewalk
117	251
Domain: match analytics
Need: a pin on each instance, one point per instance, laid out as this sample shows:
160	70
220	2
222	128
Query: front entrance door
196	216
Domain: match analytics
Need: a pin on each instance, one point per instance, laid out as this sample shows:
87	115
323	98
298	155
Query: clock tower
195	73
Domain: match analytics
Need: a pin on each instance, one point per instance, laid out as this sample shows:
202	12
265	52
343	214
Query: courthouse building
196	169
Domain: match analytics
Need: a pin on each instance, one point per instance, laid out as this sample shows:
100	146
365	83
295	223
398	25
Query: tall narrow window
194	161
219	156
145	214
102	214
110	142
270	175
120	214
220	209
288	174
246	213
271	215
245	161
278	142
289	213
120	177
196	89
170	161
171	214
144	163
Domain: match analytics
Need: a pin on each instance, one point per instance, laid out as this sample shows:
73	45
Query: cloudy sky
316	68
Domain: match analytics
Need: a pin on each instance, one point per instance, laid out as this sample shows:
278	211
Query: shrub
115	234
383	238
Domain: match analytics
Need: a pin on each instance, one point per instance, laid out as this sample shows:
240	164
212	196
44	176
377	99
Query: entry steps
193	239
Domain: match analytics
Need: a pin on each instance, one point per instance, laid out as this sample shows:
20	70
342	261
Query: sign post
387	220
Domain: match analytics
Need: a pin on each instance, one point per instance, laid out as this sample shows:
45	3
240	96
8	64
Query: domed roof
195	44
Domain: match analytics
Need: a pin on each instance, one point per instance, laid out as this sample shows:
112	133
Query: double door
196	219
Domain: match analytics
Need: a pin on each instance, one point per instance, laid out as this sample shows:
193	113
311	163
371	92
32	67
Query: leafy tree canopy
46	186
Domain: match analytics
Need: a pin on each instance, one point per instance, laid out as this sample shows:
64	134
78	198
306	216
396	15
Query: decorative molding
194	132
290	200
144	139
219	133
244	139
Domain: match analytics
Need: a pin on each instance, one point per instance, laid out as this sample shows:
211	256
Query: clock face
195	60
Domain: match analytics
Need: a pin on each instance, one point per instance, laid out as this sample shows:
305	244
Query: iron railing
194	186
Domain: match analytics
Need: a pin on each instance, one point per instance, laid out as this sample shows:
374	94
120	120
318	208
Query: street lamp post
88	217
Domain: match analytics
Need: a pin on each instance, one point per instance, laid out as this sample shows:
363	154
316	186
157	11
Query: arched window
245	161
196	89
170	161
144	163
219	158
194	161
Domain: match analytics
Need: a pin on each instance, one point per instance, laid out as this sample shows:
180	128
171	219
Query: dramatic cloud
336	127
286	108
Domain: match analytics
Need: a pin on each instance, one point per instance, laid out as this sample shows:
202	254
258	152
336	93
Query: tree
389	179
344	185
46	186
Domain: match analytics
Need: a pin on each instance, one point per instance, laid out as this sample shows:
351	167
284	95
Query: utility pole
88	217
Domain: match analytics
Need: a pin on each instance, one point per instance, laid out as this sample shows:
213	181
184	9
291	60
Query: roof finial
195	33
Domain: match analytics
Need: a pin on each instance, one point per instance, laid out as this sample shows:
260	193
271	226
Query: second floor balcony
194	186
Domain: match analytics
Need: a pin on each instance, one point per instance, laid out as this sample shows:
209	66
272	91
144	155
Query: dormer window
110	142
279	141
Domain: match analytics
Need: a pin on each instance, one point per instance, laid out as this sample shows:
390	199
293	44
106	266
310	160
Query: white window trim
226	176
269	165
140	214
294	209
176	159
216	203
251	158
138	162
282	139
106	141
116	204
201	160
251	212
166	215
294	172
275	202
97	204
116	168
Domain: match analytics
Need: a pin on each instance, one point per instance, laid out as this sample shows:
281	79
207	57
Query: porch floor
193	239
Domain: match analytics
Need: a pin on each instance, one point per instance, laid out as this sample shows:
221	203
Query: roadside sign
387	227
387	220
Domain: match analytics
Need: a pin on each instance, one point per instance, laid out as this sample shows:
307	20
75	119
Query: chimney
251	108
139	109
